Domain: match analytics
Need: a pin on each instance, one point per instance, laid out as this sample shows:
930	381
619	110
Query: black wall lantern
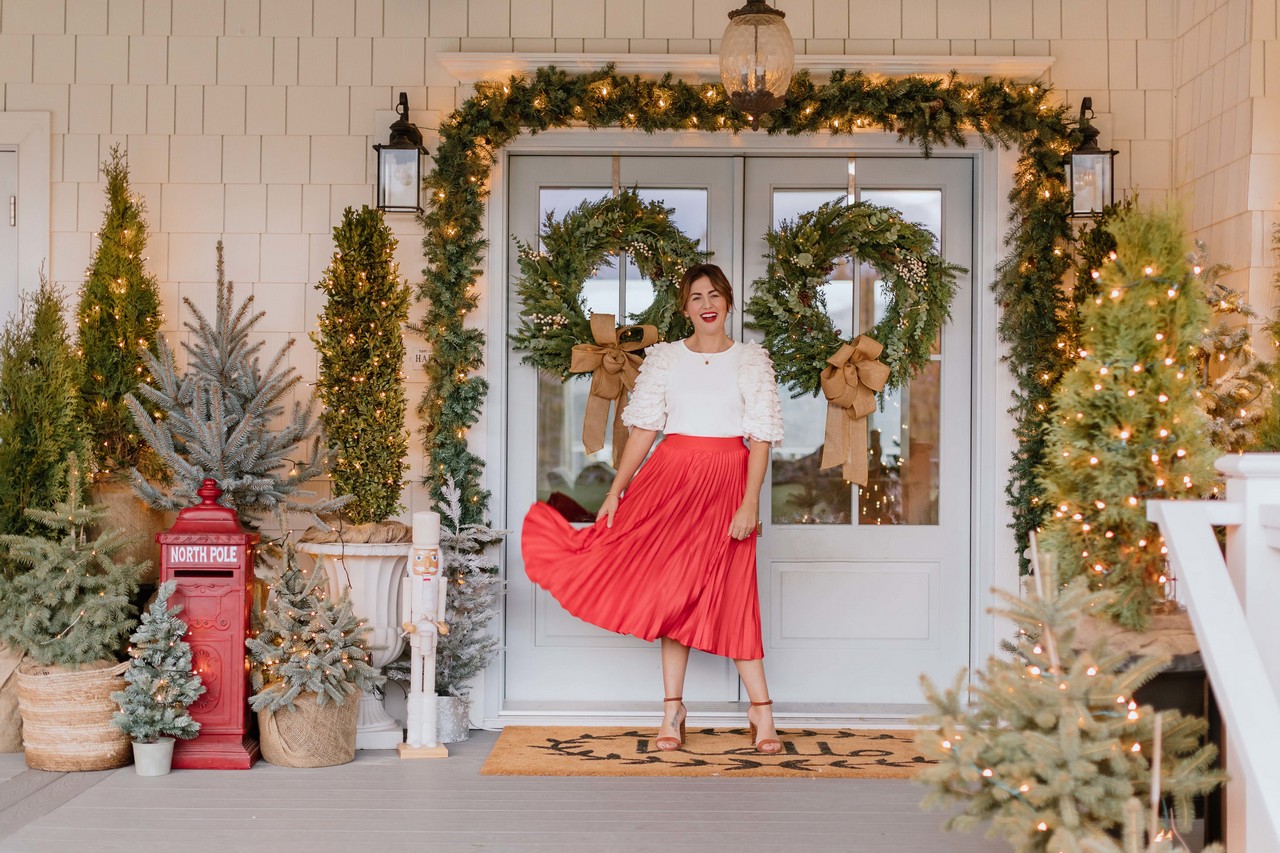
1090	171
400	165
757	56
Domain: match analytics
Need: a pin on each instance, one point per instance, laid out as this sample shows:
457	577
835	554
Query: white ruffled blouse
722	394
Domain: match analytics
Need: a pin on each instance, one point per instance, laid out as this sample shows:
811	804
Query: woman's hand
744	521
608	508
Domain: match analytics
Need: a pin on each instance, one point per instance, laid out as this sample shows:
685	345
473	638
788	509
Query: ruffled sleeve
761	408
647	407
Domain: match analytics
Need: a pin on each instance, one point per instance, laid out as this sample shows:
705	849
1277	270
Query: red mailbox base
216	752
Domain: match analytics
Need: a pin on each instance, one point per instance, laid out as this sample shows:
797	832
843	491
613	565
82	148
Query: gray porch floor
382	803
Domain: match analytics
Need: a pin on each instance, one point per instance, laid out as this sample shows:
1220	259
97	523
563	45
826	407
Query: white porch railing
1235	609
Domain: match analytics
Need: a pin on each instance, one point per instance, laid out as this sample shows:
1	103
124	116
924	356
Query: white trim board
472	67
30	134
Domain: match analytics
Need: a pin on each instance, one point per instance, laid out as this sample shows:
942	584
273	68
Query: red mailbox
210	556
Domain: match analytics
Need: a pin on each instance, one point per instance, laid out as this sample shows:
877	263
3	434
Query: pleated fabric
667	567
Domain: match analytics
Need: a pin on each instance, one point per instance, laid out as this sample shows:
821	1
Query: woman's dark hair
711	272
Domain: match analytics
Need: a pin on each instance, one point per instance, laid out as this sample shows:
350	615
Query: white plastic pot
153	759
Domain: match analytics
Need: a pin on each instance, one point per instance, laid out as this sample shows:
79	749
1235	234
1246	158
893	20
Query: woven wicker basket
313	735
66	717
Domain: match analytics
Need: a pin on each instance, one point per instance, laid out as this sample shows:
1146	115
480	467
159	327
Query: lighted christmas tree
308	644
118	319
471	599
1127	424
361	382
161	684
41	419
1051	745
69	602
228	418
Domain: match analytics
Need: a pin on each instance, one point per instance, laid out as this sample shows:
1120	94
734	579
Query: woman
673	552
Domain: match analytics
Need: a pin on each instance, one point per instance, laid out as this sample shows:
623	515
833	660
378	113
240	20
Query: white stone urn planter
372	573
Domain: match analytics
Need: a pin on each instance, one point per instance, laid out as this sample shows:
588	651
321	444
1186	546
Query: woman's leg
752	674
675	660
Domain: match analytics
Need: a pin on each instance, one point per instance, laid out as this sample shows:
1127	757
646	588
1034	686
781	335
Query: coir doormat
831	753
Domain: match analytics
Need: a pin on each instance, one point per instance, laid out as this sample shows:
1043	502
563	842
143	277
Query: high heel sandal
667	743
774	745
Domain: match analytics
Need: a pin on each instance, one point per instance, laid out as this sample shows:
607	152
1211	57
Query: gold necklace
707	355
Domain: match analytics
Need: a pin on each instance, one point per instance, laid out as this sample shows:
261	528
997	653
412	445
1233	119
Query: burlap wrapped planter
313	735
66	717
126	514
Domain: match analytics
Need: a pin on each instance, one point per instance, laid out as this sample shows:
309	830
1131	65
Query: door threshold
709	714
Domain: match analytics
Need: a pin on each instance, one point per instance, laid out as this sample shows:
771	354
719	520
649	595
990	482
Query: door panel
8	232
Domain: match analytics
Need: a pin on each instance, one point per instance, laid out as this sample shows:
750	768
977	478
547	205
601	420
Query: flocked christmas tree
361	380
41	419
228	418
1052	746
1127	424
308	643
471	599
69	602
160	682
118	317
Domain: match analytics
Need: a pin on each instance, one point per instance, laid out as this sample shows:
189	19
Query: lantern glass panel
756	54
398	178
1090	182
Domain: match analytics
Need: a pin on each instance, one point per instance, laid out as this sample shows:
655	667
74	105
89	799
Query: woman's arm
633	453
748	515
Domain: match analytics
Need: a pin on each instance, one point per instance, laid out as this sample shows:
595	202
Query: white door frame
992	551
30	134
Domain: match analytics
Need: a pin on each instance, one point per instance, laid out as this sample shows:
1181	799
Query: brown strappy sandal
665	743
774	745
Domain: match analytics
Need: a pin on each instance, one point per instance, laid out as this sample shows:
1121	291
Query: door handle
13	211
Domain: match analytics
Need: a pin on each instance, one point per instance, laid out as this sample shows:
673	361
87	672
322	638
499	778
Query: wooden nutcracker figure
423	602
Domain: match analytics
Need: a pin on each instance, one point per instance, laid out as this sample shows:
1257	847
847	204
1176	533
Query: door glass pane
568	478
690	216
904	435
800	493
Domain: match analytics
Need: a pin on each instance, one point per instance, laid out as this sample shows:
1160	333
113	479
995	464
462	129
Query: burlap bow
614	368
850	382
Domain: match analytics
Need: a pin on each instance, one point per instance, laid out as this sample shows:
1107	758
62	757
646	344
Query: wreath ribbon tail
619	429
614	368
850	382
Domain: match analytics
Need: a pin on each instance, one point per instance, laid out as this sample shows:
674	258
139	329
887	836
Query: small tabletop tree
361	380
161	685
308	644
71	601
118	318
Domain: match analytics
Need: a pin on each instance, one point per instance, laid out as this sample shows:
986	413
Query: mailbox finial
209	491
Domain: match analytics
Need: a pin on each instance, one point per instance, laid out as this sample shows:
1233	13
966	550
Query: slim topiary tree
161	685
118	318
361	381
1127	425
41	419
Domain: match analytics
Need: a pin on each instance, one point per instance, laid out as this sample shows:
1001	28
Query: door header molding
473	67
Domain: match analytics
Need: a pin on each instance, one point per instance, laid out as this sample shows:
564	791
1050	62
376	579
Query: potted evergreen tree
118	319
66	602
310	657
361	387
161	686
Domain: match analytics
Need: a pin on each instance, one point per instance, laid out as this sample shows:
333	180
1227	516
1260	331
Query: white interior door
864	589
8	232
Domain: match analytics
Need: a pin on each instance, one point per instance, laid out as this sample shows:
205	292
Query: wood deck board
447	807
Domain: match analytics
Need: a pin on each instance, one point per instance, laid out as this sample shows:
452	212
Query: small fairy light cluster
1128	426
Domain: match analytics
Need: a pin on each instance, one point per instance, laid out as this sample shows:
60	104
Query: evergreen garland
118	319
553	316
789	305
41	417
70	600
160	684
361	381
925	111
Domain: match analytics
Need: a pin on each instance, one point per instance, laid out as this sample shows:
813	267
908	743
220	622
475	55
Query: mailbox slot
203	573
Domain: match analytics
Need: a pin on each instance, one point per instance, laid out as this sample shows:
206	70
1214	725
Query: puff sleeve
761	408
647	406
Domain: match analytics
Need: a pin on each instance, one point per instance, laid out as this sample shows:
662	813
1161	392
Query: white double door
861	589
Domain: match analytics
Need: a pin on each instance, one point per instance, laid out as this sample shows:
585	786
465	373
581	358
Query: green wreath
789	307
553	317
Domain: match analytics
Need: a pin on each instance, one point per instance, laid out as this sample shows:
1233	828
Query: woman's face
706	307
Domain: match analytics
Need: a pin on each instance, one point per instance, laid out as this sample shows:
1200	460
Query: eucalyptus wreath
553	316
791	310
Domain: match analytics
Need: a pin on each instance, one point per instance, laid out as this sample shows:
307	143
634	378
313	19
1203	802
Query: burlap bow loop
850	382
614	367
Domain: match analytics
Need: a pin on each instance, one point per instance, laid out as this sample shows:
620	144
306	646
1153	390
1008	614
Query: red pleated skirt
667	567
